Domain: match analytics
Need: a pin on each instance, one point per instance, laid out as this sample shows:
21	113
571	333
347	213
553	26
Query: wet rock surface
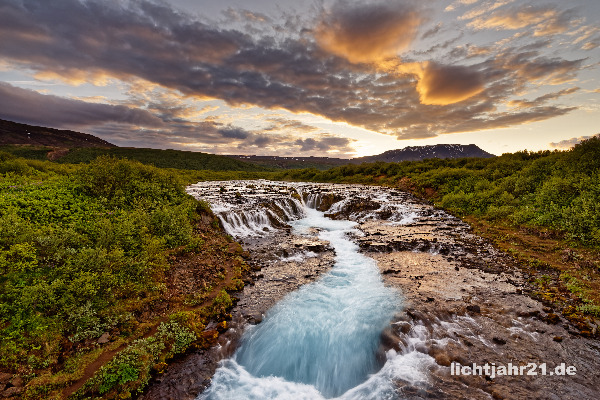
464	301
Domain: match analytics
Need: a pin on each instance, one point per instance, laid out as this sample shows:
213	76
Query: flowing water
348	335
321	341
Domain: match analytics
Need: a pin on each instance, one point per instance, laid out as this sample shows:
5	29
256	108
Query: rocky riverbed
463	301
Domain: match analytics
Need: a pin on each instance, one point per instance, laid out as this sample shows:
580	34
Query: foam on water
321	341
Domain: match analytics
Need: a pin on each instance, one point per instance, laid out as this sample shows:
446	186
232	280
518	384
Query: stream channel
363	292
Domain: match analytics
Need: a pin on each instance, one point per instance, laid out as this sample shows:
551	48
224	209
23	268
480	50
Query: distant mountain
412	153
76	147
417	153
15	133
293	162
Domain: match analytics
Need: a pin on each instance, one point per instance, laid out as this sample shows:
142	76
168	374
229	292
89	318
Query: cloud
232	132
16	104
368	32
545	20
324	70
324	143
542	99
590	45
459	3
529	67
445	84
433	31
568	143
284	124
127	126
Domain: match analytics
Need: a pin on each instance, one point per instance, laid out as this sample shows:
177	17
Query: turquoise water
320	341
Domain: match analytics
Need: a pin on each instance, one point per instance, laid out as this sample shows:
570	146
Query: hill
64	146
411	153
12	133
418	153
74	147
163	158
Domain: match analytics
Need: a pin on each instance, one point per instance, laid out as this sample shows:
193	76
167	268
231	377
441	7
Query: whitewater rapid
322	340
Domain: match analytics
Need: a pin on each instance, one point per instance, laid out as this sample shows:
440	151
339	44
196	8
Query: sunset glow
337	78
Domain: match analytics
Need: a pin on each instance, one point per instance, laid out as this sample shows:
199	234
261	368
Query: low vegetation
176	159
87	254
163	159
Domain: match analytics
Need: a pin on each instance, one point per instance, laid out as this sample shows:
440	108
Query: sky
334	78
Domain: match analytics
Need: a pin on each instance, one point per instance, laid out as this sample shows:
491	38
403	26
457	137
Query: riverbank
474	304
466	302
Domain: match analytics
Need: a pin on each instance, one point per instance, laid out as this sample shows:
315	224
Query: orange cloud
369	32
443	84
542	99
459	3
590	45
546	21
76	77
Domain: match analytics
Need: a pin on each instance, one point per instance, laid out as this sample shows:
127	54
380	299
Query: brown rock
5	377
17	381
552	319
498	340
104	338
11	391
474	308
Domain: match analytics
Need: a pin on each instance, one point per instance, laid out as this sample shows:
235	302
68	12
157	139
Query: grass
184	160
90	250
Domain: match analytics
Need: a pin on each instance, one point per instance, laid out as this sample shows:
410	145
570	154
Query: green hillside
162	158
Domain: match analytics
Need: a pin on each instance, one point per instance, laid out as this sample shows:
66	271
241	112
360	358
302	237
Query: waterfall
248	222
320	341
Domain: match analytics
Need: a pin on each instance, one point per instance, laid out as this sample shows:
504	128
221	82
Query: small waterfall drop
322	340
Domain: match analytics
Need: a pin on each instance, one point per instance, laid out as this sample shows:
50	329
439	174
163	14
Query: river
373	299
320	341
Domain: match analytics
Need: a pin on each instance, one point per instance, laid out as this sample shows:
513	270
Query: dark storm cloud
324	75
31	107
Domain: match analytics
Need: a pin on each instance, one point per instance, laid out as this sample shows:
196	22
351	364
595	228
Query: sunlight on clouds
401	68
443	85
459	3
485	8
590	45
367	33
76	77
521	104
568	143
545	20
